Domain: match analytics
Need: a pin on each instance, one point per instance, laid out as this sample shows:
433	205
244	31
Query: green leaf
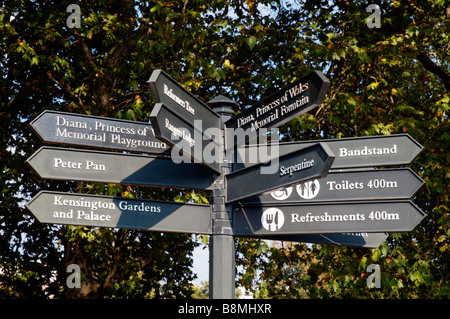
335	56
251	42
34	60
134	84
376	254
155	8
205	239
351	101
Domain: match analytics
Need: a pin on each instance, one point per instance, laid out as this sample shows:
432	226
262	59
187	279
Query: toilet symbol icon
309	189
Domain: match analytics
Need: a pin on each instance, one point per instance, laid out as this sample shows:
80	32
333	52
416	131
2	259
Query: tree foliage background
386	80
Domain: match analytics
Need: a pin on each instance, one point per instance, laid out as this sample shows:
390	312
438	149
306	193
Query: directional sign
398	183
291	101
353	152
167	91
179	134
337	217
299	166
96	132
106	211
367	240
109	167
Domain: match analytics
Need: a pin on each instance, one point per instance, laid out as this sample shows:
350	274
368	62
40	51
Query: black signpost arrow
396	183
352	152
322	218
119	212
366	240
179	134
299	166
110	167
291	101
180	101
96	132
179	116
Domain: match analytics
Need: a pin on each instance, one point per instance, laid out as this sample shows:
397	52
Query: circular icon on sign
282	194
272	219
309	189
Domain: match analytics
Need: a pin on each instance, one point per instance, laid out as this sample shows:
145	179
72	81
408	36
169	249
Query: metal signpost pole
221	243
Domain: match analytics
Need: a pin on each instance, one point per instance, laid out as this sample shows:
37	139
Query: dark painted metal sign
338	217
290	102
299	166
367	240
186	139
109	167
119	212
353	152
396	183
96	132
169	92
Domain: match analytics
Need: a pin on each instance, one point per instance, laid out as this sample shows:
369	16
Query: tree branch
439	71
66	87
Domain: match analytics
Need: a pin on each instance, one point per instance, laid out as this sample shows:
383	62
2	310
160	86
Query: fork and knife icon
272	219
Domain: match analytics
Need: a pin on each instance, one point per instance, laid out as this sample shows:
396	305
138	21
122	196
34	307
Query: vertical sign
184	122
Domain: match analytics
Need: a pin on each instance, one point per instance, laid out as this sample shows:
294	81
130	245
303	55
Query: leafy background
387	80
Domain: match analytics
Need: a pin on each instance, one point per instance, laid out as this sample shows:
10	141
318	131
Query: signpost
352	152
119	212
118	168
366	240
322	218
306	164
176	132
358	185
181	120
97	132
180	101
291	101
290	195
